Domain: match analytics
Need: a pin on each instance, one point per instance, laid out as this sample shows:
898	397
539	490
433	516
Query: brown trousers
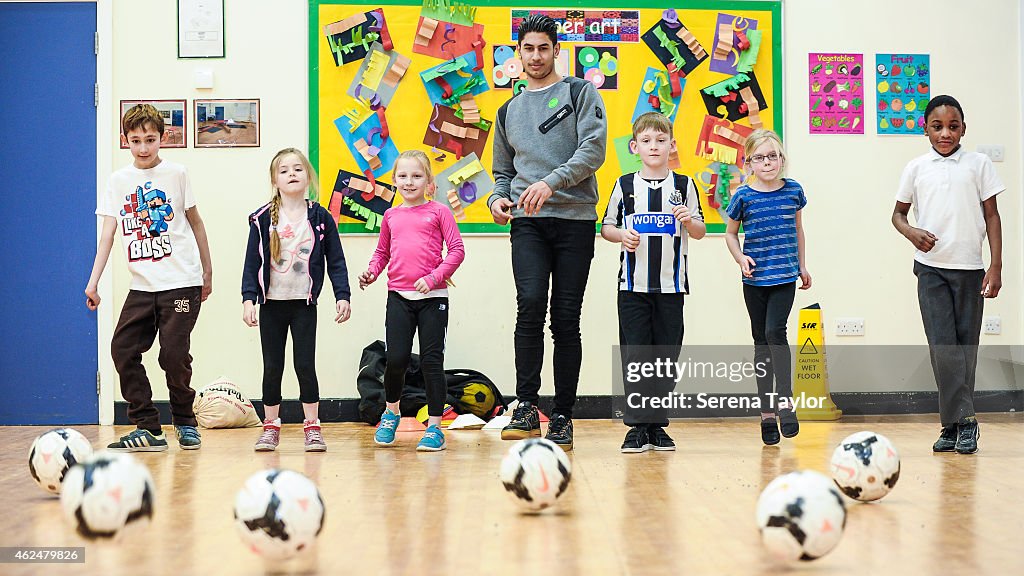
172	314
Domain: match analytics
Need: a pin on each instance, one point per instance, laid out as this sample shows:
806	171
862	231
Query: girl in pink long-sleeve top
412	235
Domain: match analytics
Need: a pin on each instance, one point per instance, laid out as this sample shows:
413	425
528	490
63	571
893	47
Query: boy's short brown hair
139	116
652	121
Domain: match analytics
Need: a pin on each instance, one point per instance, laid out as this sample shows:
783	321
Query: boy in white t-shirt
953	192
150	205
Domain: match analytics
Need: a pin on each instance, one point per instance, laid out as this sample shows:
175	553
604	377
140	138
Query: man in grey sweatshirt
549	140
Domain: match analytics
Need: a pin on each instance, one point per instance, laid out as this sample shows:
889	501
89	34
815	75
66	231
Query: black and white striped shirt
659	263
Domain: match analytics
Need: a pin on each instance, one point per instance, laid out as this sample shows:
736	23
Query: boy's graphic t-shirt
658	265
149	207
289	274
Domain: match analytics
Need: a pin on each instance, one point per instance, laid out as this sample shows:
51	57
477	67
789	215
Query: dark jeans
555	252
276	318
650	328
951	308
172	314
402	319
769	308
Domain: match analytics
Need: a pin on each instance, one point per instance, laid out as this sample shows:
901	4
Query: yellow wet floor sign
810	379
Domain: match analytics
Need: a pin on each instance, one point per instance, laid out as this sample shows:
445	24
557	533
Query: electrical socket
992	325
995	152
849	327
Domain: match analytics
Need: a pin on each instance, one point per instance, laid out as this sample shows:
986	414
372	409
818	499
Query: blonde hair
275	200
139	115
419	157
652	121
759	137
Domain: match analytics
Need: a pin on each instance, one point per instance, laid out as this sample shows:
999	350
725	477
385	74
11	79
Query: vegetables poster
836	93
903	82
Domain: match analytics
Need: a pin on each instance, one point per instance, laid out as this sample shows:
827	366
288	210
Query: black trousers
650	329
769	308
951	308
550	253
277	317
403	318
171	314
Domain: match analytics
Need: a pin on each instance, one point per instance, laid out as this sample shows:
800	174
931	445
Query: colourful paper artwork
722	141
349	199
350	39
673	45
735	98
446	83
378	75
447	131
628	162
449	39
835	93
463	183
656	95
903	89
598	65
370	133
732	35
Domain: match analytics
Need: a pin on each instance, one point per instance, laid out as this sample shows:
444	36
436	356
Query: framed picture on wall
200	28
227	123
175	120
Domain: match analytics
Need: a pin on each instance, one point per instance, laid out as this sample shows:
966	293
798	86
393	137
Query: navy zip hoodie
326	247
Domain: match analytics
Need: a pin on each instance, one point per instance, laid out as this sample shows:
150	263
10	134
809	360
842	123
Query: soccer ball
535	473
106	493
278	513
53	454
865	466
801	516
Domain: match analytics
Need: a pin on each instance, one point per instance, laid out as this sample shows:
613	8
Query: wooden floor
396	511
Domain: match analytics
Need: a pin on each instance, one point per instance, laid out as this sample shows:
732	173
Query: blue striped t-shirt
769	224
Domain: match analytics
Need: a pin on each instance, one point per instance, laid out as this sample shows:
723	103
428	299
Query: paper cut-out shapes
370	131
598	65
350	199
387	70
446	83
669	47
724	99
655	95
732	39
463	183
350	39
438	135
722	141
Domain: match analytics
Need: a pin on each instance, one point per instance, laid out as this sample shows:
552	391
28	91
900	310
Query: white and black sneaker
637	440
660	440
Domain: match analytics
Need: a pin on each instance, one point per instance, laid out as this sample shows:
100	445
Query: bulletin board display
395	76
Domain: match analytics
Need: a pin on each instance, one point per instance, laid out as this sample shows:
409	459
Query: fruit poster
836	93
904	88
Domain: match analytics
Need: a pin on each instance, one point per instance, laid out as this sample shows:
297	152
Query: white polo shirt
946	194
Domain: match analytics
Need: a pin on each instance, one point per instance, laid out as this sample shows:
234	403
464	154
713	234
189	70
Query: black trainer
967	439
660	440
560	431
788	423
637	440
525	423
947	439
769	431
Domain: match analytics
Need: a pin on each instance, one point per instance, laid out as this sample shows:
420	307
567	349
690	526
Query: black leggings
769	308
402	319
276	317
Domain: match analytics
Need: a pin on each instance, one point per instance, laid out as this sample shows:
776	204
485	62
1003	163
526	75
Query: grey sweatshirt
554	143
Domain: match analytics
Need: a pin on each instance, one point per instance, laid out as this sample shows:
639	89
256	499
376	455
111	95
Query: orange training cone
410	424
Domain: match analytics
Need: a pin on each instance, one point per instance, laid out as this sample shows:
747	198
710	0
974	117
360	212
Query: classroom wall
861	266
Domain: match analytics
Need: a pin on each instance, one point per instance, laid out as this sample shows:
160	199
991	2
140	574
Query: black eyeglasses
762	158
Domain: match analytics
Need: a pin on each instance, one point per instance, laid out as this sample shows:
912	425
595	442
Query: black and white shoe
660	440
637	441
